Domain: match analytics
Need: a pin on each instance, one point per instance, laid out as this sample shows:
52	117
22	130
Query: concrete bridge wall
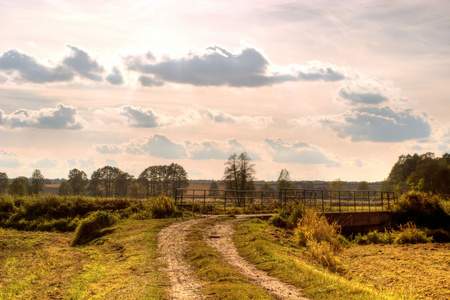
361	221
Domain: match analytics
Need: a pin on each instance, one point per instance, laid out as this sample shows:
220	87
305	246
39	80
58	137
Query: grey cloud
83	64
30	70
148	81
299	152
158	146
215	150
61	117
366	98
322	73
108	149
215	67
380	124
115	77
139	117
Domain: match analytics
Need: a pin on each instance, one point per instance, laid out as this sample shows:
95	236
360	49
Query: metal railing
252	201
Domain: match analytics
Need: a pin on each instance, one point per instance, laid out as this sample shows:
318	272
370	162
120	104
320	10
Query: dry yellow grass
421	271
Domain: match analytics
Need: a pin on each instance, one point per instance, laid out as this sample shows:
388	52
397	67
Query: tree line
105	182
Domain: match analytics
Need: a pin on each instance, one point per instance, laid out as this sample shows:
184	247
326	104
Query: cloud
216	66
9	160
157	146
28	69
83	64
295	152
61	117
218	116
217	150
108	149
149	81
44	163
368	91
115	77
380	124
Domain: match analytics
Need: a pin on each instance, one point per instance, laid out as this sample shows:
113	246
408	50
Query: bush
277	221
410	234
423	209
439	235
162	207
93	227
289	215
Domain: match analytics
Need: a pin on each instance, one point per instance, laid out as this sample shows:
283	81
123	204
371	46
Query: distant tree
213	188
26	183
65	189
421	172
123	181
95	184
284	180
17	187
163	180
239	172
37	182
337	184
308	185
363	186
267	189
4	183
78	181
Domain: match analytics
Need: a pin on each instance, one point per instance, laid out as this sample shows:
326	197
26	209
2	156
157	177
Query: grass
273	250
42	265
416	271
221	280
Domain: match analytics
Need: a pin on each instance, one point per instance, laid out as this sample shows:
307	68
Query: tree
123	180
37	182
239	172
363	186
284	180
163	180
78	181
17	187
25	183
213	189
4	183
65	189
337	184
95	184
308	185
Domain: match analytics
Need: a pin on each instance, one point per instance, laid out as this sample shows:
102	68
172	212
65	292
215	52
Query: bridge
353	210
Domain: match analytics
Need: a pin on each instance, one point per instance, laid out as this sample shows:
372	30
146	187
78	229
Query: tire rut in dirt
220	237
171	246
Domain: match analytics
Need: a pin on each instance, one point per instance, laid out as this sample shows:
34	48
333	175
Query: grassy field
122	265
419	271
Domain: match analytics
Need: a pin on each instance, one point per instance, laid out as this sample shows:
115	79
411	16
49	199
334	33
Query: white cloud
157	146
296	152
380	124
44	163
107	149
9	160
60	117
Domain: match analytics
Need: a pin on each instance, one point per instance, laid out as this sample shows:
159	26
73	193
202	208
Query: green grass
221	280
257	242
121	265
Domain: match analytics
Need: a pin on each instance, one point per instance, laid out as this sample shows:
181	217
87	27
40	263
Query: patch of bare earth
220	237
171	245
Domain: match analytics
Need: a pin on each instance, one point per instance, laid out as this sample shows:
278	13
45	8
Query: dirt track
220	237
171	246
184	285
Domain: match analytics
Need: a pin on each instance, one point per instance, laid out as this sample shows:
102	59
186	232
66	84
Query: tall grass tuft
93	227
162	207
288	216
321	238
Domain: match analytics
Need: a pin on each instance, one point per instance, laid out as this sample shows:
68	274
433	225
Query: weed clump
321	239
407	234
93	227
288	216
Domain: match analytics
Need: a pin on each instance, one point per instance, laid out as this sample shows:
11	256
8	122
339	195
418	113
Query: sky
325	89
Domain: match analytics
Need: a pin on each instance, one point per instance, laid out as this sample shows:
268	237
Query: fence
238	201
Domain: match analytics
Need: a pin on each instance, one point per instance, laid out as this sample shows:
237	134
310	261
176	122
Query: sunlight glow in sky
321	88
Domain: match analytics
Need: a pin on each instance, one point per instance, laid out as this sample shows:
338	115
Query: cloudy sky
325	89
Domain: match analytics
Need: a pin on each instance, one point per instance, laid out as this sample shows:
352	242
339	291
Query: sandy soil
171	246
220	237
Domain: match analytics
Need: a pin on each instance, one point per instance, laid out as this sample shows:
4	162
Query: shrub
278	221
93	227
162	207
323	253
439	235
423	209
410	234
289	215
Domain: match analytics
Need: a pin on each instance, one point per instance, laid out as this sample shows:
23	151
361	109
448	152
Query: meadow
76	247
